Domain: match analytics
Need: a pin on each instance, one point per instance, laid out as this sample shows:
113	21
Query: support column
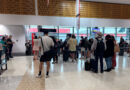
78	18
58	33
103	31
73	30
36	9
116	33
87	31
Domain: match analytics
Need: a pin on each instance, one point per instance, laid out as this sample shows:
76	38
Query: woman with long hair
36	48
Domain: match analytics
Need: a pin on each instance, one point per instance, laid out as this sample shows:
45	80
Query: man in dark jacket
98	48
109	52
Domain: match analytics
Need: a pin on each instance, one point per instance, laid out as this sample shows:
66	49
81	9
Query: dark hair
86	37
113	38
35	37
46	32
108	37
73	36
82	37
3	38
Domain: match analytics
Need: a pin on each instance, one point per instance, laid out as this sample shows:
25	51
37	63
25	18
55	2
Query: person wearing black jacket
109	52
10	44
56	46
65	50
82	45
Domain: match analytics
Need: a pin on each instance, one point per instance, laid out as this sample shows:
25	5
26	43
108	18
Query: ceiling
112	1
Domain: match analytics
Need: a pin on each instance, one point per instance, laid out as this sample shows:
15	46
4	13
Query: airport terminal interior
64	44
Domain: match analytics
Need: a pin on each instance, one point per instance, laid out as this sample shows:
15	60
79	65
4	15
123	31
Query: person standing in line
46	45
98	48
86	46
7	48
56	46
1	48
72	43
36	47
10	44
114	57
129	50
3	42
109	52
82	45
66	50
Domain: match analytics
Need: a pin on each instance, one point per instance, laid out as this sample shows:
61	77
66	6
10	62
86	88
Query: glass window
63	31
110	30
121	32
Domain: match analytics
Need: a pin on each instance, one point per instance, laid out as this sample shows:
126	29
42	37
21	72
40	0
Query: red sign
63	30
33	30
121	35
84	35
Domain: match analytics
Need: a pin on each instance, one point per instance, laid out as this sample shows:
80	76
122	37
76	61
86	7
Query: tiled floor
71	76
64	76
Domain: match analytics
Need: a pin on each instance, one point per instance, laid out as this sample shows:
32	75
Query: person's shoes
102	71
38	76
107	70
56	62
95	71
11	56
53	62
113	68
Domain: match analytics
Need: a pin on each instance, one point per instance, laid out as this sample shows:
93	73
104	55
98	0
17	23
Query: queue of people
99	48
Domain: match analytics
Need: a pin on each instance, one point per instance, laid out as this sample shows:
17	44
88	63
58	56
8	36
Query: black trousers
101	62
65	55
0	56
10	51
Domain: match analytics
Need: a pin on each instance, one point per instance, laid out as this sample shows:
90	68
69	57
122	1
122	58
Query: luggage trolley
3	63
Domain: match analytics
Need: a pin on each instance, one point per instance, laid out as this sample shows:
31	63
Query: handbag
116	48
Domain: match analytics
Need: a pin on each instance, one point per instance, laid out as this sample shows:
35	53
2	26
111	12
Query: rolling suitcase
121	53
92	64
65	55
87	66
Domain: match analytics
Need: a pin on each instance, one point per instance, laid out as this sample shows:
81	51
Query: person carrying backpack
98	48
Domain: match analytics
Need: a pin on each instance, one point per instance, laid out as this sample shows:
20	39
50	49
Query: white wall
18	33
61	21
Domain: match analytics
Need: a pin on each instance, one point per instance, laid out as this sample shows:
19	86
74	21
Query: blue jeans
109	62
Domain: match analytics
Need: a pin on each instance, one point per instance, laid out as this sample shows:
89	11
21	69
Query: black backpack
100	49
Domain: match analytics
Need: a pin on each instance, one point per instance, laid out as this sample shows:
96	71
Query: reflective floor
64	76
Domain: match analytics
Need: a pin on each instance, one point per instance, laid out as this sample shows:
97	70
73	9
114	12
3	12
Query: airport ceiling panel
105	10
64	8
20	7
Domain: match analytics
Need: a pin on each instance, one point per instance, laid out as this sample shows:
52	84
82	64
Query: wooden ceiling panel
26	7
